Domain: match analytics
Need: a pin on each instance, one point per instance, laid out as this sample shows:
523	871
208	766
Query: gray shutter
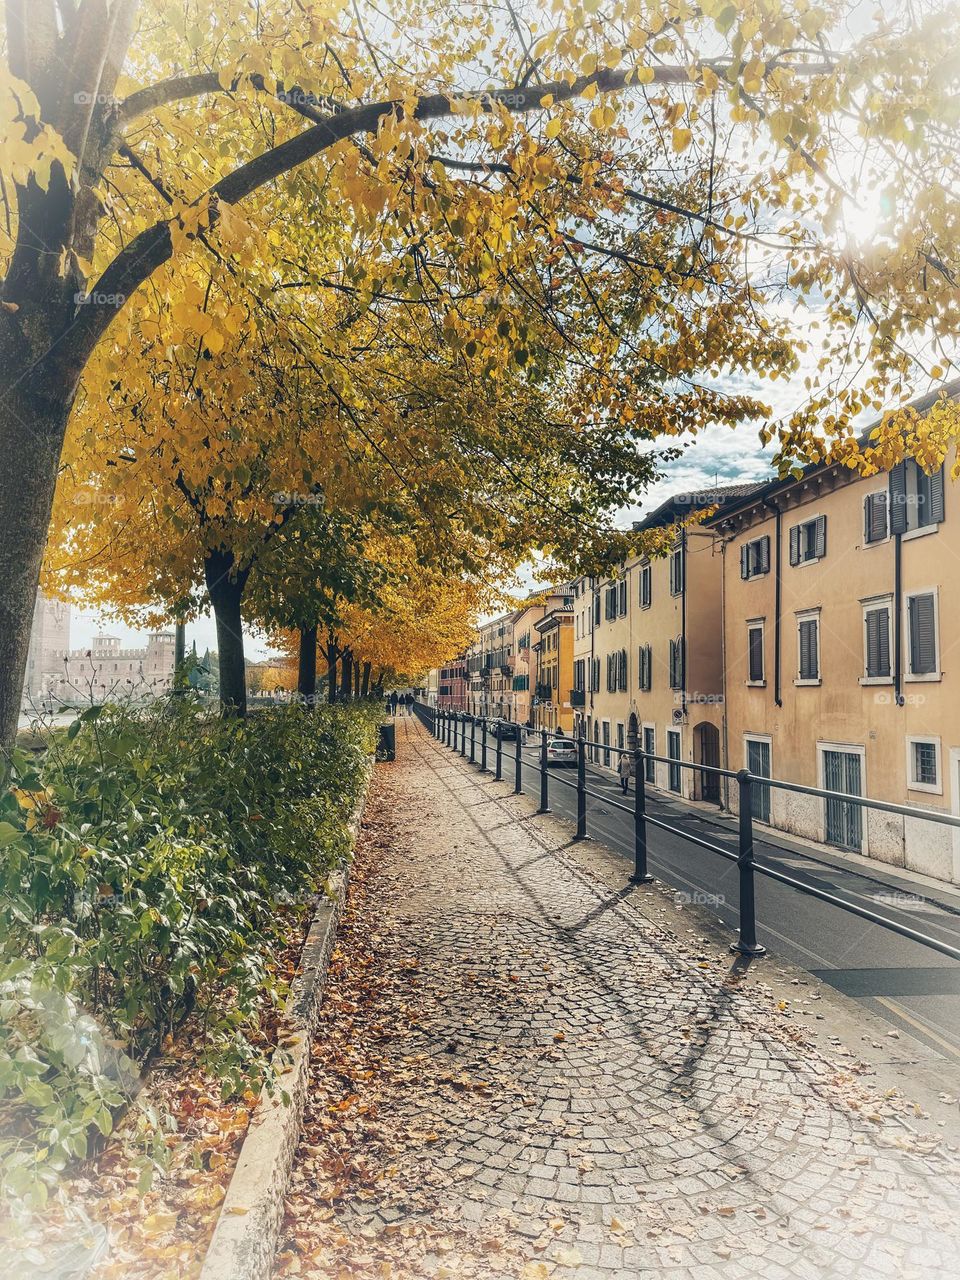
765	553
820	538
755	658
898	499
936	497
878	642
673	664
808	650
795	544
875	517
923	637
745	561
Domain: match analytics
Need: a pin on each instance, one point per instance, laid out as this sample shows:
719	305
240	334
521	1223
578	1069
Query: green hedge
151	865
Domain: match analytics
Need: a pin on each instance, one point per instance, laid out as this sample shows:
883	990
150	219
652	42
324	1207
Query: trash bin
387	741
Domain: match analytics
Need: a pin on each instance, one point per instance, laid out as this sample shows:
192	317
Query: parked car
561	751
504	729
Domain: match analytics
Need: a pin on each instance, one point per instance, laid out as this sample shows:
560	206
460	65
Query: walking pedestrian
625	770
394	699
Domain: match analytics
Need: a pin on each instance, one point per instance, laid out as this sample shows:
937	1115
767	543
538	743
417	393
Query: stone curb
245	1239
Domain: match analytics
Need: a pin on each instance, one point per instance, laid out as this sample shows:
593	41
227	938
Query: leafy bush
151	865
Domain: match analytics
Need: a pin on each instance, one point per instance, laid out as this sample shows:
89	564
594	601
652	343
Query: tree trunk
225	588
356	679
331	670
33	418
346	675
307	671
365	687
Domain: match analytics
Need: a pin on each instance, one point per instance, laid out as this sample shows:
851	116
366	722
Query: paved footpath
522	1072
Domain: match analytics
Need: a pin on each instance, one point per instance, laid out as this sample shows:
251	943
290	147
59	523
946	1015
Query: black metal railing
451	728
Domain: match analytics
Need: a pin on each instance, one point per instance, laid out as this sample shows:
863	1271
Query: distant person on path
625	770
408	703
394	699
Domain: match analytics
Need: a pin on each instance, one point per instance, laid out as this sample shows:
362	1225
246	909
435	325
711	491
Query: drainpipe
778	601
725	782
683	625
898	619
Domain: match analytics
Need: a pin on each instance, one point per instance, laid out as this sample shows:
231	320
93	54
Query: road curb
245	1239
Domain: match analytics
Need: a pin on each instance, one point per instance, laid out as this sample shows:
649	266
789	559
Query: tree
101	194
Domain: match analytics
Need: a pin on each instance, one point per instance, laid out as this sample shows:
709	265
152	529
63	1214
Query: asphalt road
910	985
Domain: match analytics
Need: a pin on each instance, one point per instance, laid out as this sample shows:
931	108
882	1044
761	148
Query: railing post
640	873
544	796
473	738
581	790
483	746
746	943
498	759
518	764
463	734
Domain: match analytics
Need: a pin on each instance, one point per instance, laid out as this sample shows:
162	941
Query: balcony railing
578	697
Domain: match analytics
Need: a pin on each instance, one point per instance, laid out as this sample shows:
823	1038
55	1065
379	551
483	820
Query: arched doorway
706	740
633	732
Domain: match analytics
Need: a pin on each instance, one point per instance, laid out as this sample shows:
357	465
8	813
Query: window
622	597
808	645
875	524
673	751
579	674
755	558
596	609
757	752
923	656
646	583
610	602
645	667
617	672
916	499
876	640
676	571
755	672
676	663
605	726
650	749
595	675
621	743
808	541
923	764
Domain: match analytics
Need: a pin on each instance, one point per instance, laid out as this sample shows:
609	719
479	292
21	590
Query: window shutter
755	644
923	639
898	499
795	544
820	538
936	497
673	664
878	643
765	553
875	517
745	560
808	650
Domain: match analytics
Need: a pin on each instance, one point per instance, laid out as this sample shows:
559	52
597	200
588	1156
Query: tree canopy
507	253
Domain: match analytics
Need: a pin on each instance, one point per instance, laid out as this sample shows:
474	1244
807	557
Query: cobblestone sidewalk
520	1074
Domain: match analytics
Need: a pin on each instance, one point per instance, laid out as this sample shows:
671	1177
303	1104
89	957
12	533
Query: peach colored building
648	657
841	625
